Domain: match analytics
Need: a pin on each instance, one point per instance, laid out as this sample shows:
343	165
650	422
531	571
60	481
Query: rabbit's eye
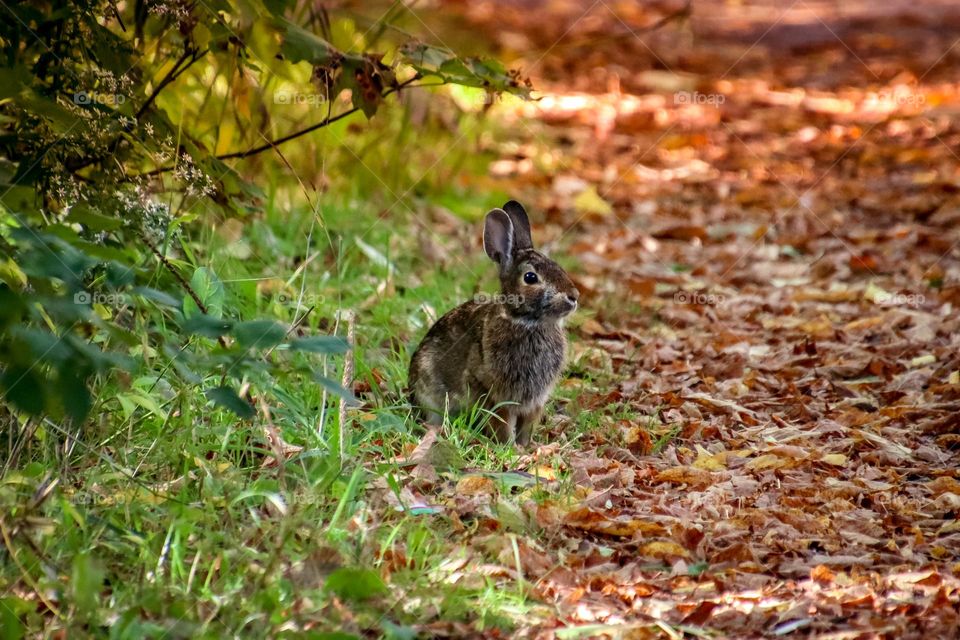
530	277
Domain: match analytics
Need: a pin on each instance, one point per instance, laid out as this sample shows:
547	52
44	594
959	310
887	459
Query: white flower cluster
66	189
150	214
198	184
173	8
106	81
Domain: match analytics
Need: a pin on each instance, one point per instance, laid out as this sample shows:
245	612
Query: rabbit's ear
522	239
498	237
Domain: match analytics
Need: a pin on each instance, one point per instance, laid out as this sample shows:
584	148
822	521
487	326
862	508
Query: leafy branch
297	134
73	140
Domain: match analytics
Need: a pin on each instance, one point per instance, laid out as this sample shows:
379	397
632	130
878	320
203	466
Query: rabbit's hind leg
503	423
526	422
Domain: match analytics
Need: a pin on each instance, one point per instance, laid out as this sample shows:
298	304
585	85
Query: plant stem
270	144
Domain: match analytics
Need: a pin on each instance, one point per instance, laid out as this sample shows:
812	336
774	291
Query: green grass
170	518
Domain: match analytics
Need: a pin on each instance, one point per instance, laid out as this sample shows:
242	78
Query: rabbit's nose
573	296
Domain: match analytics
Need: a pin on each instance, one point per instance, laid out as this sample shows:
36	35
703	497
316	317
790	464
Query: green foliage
44	312
355	583
101	175
470	72
170	445
48	310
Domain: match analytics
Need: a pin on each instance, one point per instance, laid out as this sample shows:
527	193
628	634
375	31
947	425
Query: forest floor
762	207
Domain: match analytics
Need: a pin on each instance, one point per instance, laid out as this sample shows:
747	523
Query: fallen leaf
476	485
589	202
663	550
692	476
836	459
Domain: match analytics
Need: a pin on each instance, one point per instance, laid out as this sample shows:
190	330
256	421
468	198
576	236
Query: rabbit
505	351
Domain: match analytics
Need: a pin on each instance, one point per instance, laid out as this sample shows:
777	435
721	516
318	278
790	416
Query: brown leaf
691	476
701	614
476	485
663	550
822	574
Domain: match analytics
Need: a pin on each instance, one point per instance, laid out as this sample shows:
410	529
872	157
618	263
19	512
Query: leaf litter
763	217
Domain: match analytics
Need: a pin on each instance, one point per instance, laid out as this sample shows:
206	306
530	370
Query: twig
683	12
280	448
116	14
25	574
176	274
112	464
271	144
175	72
179	278
347	380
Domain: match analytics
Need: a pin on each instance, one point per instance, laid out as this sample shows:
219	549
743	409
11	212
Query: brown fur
507	352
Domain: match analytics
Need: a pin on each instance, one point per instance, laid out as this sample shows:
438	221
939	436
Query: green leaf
259	333
24	389
85	584
119	274
47	256
424	55
233	182
92	220
336	389
355	584
228	399
13	80
385	422
513	479
393	631
206	326
180	359
470	72
96	359
74	395
302	45
111	52
277	7
143	401
12	305
209	289
160	297
18	198
11	608
42	345
62	120
320	344
456	68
